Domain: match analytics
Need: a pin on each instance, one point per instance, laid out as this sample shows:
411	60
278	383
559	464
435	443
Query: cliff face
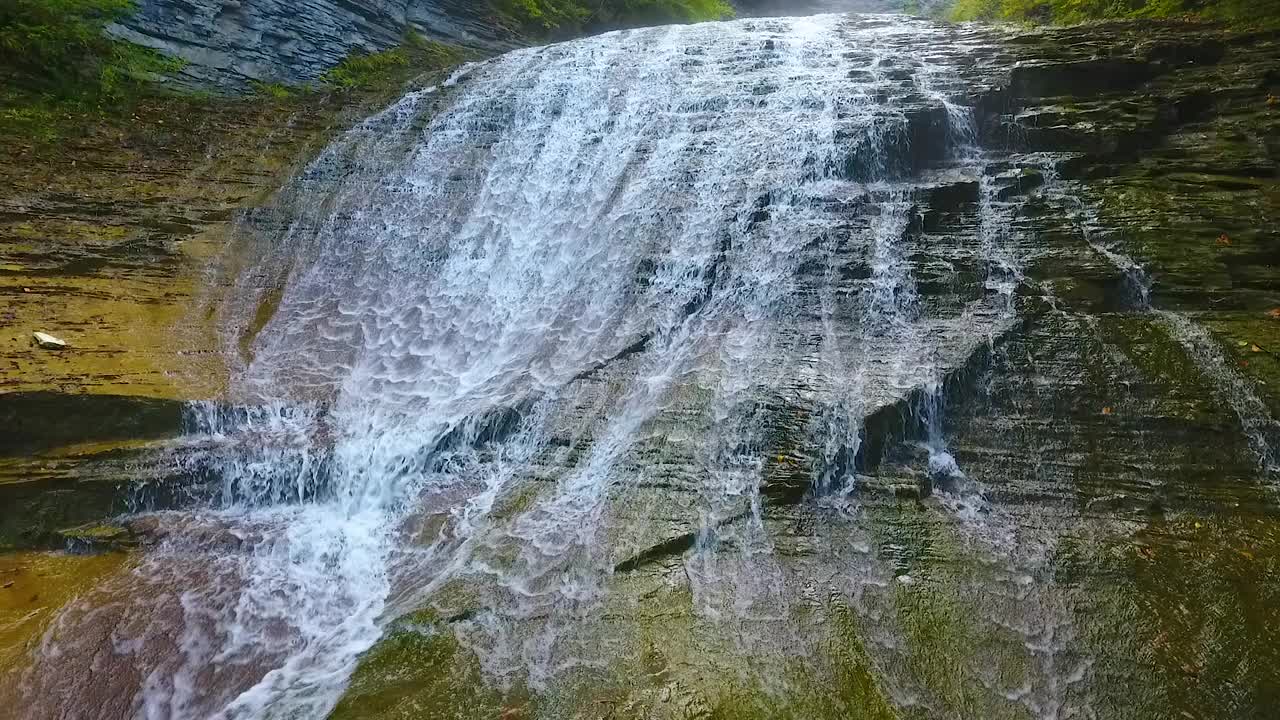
228	44
1127	414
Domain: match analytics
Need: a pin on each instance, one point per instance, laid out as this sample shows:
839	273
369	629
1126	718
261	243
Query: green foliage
38	122
58	67
275	91
965	10
53	37
390	67
418	671
1075	11
56	48
128	68
563	17
362	70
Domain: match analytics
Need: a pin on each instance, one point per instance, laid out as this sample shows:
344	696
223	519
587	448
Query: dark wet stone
36	421
1079	77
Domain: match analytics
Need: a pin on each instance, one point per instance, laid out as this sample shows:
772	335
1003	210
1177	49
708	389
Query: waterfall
506	319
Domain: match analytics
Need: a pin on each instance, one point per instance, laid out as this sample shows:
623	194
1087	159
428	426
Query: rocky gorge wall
229	44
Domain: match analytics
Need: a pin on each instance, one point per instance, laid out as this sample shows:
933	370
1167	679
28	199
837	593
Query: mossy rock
418	671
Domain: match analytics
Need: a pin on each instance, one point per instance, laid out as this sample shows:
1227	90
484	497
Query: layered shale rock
229	44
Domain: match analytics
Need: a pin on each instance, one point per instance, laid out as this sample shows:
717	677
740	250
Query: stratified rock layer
228	45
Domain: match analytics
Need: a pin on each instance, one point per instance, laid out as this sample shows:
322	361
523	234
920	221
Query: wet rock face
227	44
36	421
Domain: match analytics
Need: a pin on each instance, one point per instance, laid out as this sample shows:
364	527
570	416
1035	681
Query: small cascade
1262	430
1259	426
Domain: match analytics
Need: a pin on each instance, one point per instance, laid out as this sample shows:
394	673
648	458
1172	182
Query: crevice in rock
636	347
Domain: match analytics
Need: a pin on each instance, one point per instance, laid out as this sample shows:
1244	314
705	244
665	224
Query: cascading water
523	333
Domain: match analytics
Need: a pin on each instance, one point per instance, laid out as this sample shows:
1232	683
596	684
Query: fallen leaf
1246	554
1255	348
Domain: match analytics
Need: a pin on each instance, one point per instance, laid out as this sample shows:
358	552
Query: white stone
48	342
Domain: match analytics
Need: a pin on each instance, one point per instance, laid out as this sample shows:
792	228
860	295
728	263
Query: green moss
1251	340
268	304
391	67
567	17
518	501
1158	356
1186	622
1077	11
952	647
418	671
841	683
